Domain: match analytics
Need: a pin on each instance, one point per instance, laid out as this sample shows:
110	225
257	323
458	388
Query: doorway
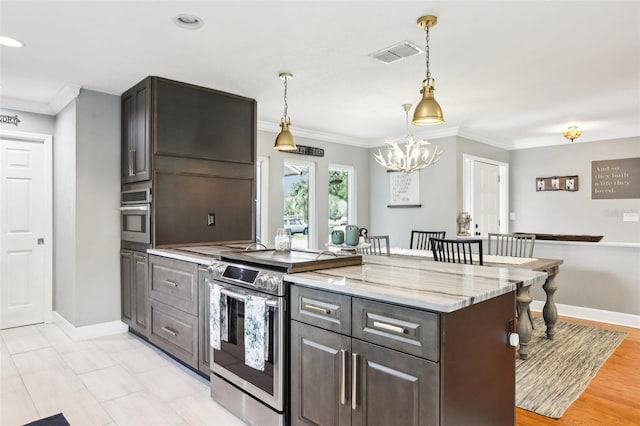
298	185
26	229
486	189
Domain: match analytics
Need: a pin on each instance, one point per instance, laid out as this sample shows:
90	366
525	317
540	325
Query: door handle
343	376
40	241
354	381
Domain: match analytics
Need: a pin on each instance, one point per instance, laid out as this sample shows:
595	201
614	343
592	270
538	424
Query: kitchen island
404	341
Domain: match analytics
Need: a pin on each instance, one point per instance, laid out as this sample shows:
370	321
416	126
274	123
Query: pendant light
415	155
284	140
428	111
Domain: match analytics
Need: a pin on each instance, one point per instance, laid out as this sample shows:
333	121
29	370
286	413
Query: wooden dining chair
457	251
517	244
420	239
379	246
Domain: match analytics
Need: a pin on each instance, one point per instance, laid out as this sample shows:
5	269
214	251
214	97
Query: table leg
549	312
524	326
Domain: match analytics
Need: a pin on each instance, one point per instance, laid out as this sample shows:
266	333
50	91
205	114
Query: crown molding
66	94
26	106
268	126
478	138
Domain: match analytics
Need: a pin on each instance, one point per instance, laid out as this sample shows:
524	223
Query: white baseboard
609	317
89	331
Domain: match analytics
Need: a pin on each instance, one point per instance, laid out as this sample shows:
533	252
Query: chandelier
414	155
284	140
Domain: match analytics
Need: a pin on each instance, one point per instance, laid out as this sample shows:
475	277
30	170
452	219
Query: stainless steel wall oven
135	216
257	396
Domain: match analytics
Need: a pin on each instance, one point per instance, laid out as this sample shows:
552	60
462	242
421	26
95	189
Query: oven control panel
264	280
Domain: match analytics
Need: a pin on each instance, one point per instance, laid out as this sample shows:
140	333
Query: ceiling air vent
398	51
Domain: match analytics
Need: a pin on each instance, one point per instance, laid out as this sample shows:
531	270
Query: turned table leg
524	327
549	312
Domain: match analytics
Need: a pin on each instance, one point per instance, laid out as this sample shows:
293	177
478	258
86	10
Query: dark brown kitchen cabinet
392	364
198	122
134	288
136	133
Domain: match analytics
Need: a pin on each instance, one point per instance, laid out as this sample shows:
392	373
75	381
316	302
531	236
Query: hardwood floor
612	397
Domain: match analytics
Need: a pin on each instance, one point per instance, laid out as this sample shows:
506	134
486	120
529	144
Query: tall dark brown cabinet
194	148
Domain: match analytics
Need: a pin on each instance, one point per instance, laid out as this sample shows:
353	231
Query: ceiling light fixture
190	22
572	133
428	111
10	42
415	155
284	140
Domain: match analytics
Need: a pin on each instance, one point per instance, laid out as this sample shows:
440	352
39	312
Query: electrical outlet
631	217
211	219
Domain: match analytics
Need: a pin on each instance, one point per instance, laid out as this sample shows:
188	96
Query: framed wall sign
615	179
404	189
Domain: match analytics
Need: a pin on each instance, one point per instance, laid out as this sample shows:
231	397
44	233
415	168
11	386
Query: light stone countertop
423	284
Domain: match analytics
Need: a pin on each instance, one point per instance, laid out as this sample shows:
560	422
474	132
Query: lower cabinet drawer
331	311
174	282
175	332
404	329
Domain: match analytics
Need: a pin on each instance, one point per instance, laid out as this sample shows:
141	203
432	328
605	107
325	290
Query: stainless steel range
258	396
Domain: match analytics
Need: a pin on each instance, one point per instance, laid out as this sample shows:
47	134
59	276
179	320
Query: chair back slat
420	239
457	251
519	245
379	246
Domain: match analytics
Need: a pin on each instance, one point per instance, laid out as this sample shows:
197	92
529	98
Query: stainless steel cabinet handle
171	283
130	161
133	163
170	331
389	327
354	381
317	309
343	376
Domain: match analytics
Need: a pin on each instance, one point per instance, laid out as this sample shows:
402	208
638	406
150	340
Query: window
341	197
298	191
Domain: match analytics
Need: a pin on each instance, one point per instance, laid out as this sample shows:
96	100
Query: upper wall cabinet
163	117
197	122
136	129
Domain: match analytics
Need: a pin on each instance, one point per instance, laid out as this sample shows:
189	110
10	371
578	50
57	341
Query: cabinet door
136	127
126	286
393	388
141	293
197	122
320	379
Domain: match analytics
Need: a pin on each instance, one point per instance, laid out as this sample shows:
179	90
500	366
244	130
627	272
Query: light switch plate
631	217
512	215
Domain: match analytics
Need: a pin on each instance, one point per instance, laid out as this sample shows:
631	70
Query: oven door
135	223
229	362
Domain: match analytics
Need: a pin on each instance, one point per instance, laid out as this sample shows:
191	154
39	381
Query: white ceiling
513	74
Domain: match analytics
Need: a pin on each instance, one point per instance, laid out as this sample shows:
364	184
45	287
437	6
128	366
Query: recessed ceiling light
10	42
190	22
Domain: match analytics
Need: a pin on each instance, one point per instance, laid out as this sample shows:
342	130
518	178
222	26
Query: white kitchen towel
218	324
255	331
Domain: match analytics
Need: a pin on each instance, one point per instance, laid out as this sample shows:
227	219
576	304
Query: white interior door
24	212
486	199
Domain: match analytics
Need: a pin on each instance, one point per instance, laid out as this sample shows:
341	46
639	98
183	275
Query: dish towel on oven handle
218	323
255	331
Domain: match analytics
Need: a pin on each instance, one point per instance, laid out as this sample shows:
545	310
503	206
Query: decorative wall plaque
404	189
615	179
308	150
557	183
10	119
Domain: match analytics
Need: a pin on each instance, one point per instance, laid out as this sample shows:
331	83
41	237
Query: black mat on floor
55	420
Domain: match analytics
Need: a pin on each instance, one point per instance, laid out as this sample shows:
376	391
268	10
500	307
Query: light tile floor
112	380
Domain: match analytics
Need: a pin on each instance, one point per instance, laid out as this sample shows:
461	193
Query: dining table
524	326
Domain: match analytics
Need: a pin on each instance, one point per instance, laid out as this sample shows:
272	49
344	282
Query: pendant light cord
426	51
285	99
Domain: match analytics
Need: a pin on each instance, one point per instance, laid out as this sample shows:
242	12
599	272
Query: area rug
55	420
559	370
